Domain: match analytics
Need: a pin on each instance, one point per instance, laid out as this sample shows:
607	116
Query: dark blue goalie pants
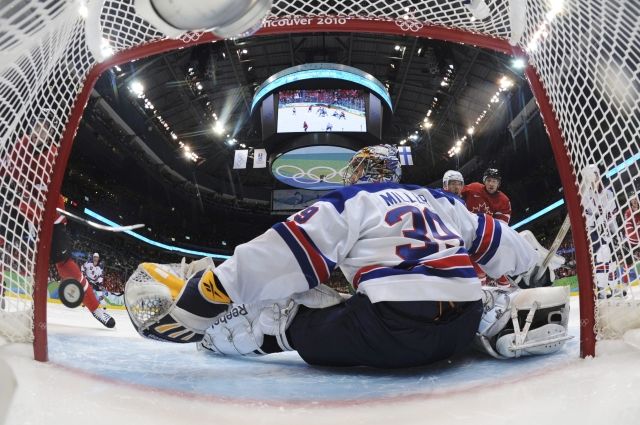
392	334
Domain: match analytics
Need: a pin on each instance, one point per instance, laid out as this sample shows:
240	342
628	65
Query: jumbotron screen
308	111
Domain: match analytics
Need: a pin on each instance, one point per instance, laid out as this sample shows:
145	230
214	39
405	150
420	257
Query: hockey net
583	57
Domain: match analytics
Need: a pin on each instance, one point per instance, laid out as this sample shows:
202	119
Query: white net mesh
585	52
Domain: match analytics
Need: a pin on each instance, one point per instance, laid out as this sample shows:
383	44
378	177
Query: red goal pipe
584	264
275	27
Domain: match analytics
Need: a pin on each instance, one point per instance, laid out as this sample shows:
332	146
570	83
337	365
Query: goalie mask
373	164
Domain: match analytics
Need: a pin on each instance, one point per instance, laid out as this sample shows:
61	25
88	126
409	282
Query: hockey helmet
373	164
96	255
491	173
451	175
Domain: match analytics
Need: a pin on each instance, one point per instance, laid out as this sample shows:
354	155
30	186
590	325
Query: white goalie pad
524	322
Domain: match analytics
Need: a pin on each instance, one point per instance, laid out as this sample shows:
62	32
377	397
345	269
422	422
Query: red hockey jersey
632	226
478	200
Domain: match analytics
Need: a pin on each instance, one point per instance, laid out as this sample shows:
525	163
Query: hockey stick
97	225
566	225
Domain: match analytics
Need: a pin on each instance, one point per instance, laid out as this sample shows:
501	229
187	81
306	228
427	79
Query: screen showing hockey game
301	111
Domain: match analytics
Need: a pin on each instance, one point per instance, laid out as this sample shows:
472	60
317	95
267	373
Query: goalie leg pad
546	339
524	322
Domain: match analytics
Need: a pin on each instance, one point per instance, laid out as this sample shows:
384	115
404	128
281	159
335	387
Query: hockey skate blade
71	293
632	338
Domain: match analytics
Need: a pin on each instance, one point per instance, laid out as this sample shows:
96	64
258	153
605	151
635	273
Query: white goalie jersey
393	243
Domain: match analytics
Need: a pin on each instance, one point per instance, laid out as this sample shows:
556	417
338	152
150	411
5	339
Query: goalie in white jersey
407	251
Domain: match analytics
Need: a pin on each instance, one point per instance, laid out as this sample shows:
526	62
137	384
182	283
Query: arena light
218	128
518	63
505	83
470	130
136	88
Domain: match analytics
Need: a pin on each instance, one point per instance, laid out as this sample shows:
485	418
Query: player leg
68	269
385	334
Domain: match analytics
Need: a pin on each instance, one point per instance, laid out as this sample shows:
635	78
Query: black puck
71	293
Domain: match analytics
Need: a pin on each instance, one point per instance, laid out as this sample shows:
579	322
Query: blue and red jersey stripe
453	266
314	265
487	240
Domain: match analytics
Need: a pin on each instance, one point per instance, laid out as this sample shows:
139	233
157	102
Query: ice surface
106	376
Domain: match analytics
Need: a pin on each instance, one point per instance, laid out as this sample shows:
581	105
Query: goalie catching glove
165	305
523	322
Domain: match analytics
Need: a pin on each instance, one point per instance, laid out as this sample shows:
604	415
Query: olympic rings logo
312	175
409	24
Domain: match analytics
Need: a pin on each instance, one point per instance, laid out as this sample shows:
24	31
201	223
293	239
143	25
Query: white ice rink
101	376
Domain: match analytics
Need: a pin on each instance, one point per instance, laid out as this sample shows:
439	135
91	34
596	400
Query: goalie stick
98	225
566	225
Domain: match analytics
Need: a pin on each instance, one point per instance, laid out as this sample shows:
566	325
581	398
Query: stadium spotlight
218	128
136	88
518	63
225	18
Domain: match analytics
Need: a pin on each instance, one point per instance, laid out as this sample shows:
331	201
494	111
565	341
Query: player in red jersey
26	177
486	198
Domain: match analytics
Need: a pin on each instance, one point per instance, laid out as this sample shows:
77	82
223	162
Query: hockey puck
71	293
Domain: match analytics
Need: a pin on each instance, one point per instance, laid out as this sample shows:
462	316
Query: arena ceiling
194	89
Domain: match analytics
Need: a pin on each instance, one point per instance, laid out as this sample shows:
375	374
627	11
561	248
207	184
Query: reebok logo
209	290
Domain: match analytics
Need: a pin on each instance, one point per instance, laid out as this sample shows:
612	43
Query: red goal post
54	55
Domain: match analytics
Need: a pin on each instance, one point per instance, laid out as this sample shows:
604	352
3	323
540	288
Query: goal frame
584	264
